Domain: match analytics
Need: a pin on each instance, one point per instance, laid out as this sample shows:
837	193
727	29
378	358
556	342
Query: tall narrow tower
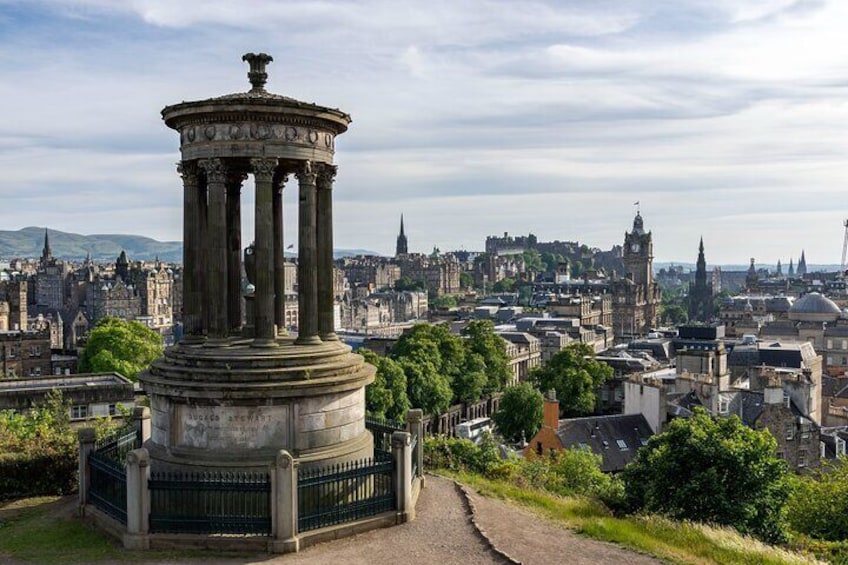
401	247
700	291
46	252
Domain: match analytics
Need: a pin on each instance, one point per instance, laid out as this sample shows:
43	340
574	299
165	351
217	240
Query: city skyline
470	120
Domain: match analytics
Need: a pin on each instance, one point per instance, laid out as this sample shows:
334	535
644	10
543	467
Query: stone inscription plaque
233	427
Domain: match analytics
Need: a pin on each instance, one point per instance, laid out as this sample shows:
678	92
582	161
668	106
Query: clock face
634	247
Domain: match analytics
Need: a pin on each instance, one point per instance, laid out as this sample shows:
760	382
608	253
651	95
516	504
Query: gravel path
533	540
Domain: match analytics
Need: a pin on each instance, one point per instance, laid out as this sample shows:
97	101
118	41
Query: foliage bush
38	451
116	345
715	471
818	505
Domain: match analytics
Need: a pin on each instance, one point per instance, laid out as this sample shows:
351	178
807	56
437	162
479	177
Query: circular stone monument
237	388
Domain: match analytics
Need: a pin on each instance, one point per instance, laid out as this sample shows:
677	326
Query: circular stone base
236	406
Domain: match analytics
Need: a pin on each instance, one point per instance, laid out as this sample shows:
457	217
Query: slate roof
615	438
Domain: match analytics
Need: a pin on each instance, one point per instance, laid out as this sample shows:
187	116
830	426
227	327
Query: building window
79	412
802	458
723	406
830	344
790	432
539	449
113	410
622	445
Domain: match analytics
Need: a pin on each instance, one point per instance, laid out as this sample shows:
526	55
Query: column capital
236	178
215	169
306	173
263	168
187	170
326	176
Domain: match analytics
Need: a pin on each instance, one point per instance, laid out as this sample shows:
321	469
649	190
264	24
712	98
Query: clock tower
638	255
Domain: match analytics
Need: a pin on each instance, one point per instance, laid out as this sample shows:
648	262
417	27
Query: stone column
307	275
141	419
402	456
415	427
263	174
279	255
216	244
234	310
284	503
192	315
326	279
138	500
86	438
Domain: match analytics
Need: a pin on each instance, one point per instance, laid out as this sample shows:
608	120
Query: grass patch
679	542
45	530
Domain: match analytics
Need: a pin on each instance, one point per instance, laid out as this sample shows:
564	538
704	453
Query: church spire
46	252
401	247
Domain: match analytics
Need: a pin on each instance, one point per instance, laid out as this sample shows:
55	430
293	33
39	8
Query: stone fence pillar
138	500
402	457
284	503
415	426
86	438
141	419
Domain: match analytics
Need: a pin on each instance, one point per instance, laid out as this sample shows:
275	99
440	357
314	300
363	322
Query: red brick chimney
550	415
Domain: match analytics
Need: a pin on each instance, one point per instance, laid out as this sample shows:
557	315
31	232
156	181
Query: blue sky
723	118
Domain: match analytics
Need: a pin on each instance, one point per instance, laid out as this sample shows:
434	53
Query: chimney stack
550	417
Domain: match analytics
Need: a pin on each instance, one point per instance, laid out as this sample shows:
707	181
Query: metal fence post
402	458
415	426
141	419
284	512
86	438
138	500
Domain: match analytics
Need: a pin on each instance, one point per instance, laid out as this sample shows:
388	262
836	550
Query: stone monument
231	395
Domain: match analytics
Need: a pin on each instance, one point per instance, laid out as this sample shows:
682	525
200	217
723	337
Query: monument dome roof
814	307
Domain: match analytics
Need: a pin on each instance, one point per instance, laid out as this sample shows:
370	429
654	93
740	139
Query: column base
308	340
193	339
330	337
264	342
217	342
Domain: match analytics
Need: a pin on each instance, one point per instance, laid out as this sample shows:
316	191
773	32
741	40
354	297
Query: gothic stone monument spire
401	247
232	395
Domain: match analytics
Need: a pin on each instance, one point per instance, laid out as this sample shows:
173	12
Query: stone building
13	305
636	297
25	354
440	272
50	280
524	352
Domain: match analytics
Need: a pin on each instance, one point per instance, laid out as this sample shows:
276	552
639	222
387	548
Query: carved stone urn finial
257	74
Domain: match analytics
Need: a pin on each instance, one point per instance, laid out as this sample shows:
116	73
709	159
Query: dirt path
532	540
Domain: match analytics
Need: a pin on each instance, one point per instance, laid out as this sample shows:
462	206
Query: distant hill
28	242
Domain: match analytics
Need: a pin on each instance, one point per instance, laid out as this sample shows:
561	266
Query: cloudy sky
723	118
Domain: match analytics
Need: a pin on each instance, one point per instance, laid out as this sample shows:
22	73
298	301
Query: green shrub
43	470
818	505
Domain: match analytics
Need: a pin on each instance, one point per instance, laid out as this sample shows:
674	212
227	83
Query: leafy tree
575	375
711	470
466	280
426	387
408	283
532	260
818	505
673	314
504	285
443	302
520	412
480	338
386	396
120	346
551	260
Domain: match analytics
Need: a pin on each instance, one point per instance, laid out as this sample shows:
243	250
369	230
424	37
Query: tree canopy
442	368
520	412
711	470
408	283
116	345
575	375
818	506
386	397
504	285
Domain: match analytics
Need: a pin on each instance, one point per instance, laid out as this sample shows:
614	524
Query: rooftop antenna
844	250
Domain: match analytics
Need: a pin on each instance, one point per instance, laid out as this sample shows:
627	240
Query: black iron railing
382	431
108	473
414	449
108	491
344	493
210	503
